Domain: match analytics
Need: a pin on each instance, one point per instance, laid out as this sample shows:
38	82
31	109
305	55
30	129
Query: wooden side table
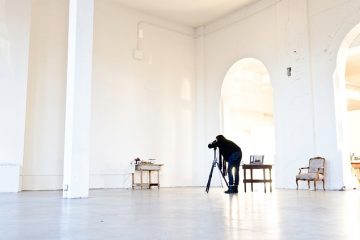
250	180
147	167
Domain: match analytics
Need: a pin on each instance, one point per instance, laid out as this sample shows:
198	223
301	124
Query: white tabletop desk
147	167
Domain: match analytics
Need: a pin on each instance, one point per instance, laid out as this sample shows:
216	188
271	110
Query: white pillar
203	157
78	99
14	57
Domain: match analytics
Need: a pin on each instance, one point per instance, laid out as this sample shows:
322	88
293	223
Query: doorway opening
247	109
347	87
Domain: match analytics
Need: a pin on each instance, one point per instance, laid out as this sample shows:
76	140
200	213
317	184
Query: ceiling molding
187	12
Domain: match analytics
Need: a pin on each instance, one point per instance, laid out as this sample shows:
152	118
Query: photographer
231	154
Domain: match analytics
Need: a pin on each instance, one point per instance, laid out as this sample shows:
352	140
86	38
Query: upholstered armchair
315	172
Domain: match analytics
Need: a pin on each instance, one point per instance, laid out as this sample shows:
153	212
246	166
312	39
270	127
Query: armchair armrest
321	170
302	168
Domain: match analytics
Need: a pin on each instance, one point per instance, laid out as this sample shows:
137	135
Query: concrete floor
181	213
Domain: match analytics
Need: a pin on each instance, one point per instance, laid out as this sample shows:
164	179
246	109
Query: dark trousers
234	163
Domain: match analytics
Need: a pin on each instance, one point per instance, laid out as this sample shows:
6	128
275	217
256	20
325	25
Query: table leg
141	179
132	180
149	179
158	179
244	180
264	180
270	180
251	176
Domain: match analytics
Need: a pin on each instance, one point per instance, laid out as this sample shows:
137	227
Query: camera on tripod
216	163
213	144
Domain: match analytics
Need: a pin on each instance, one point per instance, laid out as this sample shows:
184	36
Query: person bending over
231	154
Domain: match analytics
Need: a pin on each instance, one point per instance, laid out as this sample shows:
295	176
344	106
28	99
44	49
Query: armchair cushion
309	176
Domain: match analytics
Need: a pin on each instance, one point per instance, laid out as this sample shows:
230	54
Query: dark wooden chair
315	172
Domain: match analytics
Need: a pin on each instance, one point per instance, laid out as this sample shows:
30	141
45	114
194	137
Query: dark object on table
137	161
256	159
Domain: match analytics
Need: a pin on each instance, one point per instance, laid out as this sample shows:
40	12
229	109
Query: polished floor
181	213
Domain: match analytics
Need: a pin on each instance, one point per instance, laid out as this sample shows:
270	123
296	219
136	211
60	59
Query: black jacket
226	147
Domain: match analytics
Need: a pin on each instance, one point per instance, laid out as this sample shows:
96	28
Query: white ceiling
192	13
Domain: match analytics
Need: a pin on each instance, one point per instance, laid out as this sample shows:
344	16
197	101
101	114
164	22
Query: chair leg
297	185
323	184
308	184
315	184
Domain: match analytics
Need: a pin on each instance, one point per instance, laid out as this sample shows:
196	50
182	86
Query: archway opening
347	92
247	109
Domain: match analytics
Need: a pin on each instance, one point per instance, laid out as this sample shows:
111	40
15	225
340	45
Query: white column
78	99
202	156
14	57
293	93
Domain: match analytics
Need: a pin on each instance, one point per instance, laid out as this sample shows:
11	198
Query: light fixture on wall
288	71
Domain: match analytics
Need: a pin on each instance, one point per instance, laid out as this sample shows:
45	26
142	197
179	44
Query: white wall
14	50
154	108
285	34
141	108
330	24
45	113
356	42
271	41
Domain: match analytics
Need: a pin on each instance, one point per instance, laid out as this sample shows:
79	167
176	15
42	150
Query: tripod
214	163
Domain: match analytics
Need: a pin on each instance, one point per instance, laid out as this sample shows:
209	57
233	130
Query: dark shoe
230	190
235	189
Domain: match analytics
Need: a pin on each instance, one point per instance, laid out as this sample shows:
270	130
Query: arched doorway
247	108
347	93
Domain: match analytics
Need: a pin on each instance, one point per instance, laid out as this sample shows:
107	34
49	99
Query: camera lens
212	145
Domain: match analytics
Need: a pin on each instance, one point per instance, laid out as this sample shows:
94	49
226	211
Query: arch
340	96
246	108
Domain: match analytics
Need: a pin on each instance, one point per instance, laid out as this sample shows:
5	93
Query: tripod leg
209	180
227	184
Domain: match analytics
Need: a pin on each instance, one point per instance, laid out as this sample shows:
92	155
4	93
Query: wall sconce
288	71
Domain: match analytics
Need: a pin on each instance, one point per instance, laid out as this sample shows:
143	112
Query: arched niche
246	108
347	100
